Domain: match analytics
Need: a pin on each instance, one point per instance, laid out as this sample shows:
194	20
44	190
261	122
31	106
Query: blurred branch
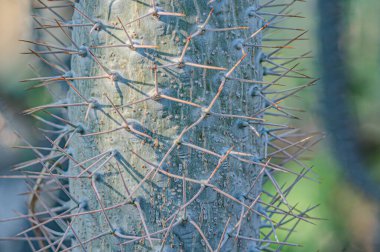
336	112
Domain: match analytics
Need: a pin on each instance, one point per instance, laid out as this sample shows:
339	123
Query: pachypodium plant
168	130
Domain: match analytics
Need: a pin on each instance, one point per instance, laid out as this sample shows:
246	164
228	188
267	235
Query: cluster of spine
171	153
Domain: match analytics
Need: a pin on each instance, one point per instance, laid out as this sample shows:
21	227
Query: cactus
162	142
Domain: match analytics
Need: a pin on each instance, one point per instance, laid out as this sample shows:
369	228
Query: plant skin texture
165	136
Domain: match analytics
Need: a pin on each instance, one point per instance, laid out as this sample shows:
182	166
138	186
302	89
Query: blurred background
347	165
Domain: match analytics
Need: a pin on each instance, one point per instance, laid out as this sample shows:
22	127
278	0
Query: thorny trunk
164	134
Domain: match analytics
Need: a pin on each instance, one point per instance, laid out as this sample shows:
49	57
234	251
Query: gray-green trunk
160	196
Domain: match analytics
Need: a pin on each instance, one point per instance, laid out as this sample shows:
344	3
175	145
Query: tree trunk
180	165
